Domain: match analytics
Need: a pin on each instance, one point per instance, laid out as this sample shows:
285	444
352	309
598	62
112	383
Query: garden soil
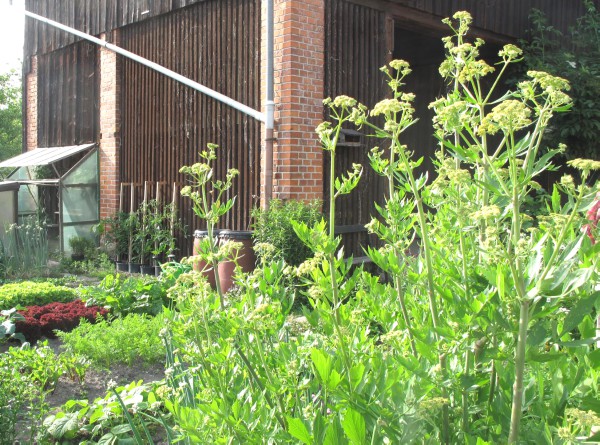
94	385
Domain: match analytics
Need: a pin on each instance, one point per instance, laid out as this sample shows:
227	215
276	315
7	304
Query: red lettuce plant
44	320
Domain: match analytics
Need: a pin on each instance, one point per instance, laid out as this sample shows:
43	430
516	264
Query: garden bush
124	295
28	293
274	226
45	320
130	340
576	57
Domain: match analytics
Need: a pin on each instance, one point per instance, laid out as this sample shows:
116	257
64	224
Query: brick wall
31	84
299	70
110	136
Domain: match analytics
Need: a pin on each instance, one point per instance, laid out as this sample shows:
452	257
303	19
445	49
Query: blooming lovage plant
209	202
480	331
496	279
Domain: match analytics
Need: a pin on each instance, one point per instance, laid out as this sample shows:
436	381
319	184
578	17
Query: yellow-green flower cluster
585	165
473	70
464	20
387	107
307	267
508	117
486	212
553	88
568	182
510	53
585	419
402	66
451	116
427	406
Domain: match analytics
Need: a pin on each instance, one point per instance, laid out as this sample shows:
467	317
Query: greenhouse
59	186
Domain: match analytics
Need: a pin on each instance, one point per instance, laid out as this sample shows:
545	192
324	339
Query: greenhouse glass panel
80	204
79	230
80	192
84	173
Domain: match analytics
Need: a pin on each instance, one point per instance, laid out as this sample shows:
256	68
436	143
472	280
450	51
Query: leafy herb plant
130	340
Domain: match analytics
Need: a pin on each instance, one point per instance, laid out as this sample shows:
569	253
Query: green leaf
594	358
331	436
64	426
577	343
356	374
322	363
543	358
121	429
298	430
582	308
354	427
108	439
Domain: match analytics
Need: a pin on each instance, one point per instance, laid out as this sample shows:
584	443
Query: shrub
574	56
44	320
141	295
128	340
82	246
28	293
274	226
96	264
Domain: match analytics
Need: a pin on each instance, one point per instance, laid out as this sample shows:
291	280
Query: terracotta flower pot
202	266
246	260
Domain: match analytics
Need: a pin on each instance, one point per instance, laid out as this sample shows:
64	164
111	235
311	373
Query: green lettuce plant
28	293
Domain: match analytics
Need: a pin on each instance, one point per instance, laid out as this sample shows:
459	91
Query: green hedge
29	293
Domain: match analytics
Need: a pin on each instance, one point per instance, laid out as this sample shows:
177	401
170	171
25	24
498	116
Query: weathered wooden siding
68	96
165	124
501	19
356	45
90	16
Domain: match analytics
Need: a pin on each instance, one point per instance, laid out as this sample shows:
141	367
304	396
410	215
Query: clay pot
202	266
246	260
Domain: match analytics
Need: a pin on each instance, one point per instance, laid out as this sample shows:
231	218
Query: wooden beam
425	22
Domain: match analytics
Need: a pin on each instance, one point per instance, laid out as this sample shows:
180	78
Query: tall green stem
331	257
430	284
517	402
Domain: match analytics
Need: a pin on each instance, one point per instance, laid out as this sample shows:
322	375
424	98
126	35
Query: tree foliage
10	114
575	57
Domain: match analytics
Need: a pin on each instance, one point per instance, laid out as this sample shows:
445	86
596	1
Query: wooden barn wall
90	16
165	124
505	17
68	96
356	46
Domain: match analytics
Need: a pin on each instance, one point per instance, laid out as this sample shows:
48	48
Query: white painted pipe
155	66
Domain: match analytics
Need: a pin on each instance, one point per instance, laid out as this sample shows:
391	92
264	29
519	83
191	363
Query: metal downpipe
270	107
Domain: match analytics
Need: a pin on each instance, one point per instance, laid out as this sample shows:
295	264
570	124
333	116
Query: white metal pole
155	66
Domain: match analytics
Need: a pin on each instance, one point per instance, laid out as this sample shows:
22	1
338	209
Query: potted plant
163	224
80	246
147	232
114	233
